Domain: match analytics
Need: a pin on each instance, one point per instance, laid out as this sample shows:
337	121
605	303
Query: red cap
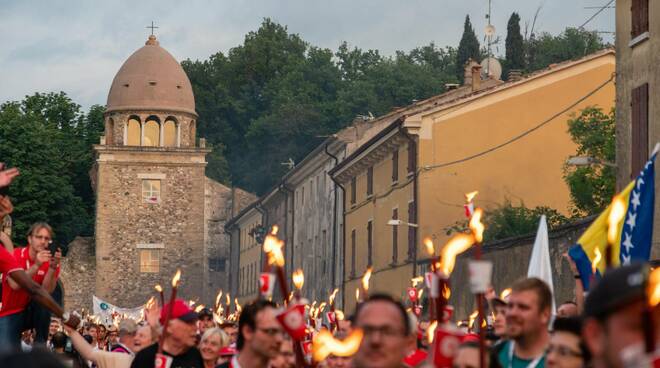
470	337
228	351
180	310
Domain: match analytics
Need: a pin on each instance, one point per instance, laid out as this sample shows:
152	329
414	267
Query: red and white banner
163	361
293	321
266	284
445	347
412	294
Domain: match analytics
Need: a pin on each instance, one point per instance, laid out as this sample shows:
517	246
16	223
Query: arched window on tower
110	132
192	139
133	131
151	136
170	132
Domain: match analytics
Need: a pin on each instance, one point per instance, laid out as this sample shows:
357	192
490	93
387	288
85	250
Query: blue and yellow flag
634	233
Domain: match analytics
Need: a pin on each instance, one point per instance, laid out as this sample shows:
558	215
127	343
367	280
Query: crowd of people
608	328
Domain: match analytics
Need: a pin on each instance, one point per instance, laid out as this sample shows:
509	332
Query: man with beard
613	329
259	336
180	342
527	317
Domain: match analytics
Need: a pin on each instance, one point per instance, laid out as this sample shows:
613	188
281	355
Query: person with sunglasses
566	348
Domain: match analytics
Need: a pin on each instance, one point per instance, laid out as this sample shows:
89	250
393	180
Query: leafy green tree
593	186
49	139
509	220
468	48
571	44
515	52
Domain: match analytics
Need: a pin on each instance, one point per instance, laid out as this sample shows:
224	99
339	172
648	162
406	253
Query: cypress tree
515	55
467	48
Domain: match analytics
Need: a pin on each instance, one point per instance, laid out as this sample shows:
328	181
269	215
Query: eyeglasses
272	331
563	351
385	331
41	237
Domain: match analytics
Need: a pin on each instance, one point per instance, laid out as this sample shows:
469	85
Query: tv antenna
290	164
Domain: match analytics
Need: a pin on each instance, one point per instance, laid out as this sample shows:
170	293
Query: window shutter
353	253
370	243
353	190
370	181
639	143
639	12
412	234
411	157
395	166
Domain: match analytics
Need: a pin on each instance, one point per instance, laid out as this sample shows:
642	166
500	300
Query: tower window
150	260
169	133
133	132
151	133
151	191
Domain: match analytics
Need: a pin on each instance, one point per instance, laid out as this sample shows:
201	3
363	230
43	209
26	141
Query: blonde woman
212	341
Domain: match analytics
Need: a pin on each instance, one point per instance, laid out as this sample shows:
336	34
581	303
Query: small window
169	133
217	264
151	133
370	181
353	190
370	243
639	129
151	191
412	232
353	250
149	260
133	132
639	12
395	166
411	158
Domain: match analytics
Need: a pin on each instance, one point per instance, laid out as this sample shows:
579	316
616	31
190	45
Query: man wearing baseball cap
613	315
180	340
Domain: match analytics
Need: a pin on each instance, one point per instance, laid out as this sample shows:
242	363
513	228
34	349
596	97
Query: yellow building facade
509	141
250	256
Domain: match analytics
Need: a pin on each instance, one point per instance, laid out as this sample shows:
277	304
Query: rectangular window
353	253
412	158
150	260
639	129
395	236
370	181
395	166
639	12
412	233
151	191
217	264
353	190
370	243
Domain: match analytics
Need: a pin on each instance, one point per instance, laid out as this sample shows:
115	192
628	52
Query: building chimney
467	71
476	77
515	75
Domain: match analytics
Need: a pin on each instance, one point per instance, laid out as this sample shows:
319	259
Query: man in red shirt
11	269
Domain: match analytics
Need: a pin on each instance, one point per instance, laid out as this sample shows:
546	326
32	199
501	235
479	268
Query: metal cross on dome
152	26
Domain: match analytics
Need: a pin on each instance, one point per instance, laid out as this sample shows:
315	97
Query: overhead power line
523	134
596	13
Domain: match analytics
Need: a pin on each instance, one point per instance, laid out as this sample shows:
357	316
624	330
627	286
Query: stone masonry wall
124	222
78	274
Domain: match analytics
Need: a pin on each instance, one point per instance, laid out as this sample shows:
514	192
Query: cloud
78	46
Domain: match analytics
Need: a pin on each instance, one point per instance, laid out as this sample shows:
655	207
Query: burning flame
456	245
321	308
150	303
339	315
420	293
653	288
430	331
290	298
191	303
199	308
331	298
325	344
617	211
597	258
158	288
505	293
430	249
298	278
446	291
366	278
357	294
469	197
218	299
273	248
477	226
472	318
176	278
416	280
238	306
227	300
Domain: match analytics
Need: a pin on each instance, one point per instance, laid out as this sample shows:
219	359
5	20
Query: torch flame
176	278
653	288
199	308
218	298
339	315
430	249
331	298
158	288
150	303
470	196
446	291
472	318
274	229
321	308
420	293
238	306
477	226
273	248
325	344
505	293
430	331
357	294
366	278
298	278
597	258
415	281
227	300
617	211
456	245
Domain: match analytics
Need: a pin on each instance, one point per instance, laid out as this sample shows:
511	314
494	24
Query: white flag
539	263
106	311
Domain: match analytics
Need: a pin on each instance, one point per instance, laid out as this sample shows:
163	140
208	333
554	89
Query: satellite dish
489	30
491	68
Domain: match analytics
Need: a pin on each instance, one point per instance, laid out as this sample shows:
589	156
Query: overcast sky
78	46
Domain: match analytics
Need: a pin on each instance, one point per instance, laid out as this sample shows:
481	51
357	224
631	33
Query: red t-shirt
14	301
7	262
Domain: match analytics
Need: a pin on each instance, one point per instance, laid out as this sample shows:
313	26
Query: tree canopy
468	48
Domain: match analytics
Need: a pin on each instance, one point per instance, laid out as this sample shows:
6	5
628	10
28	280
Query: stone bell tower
149	181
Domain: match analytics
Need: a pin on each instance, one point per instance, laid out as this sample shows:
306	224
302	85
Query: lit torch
365	282
273	249
331	302
617	212
159	289
298	278
218	299
477	228
325	344
653	299
469	204
170	309
430	332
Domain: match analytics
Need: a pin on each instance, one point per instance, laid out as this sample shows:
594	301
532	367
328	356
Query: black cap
618	287
205	312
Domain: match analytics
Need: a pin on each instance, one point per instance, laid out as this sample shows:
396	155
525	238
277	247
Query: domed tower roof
151	79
